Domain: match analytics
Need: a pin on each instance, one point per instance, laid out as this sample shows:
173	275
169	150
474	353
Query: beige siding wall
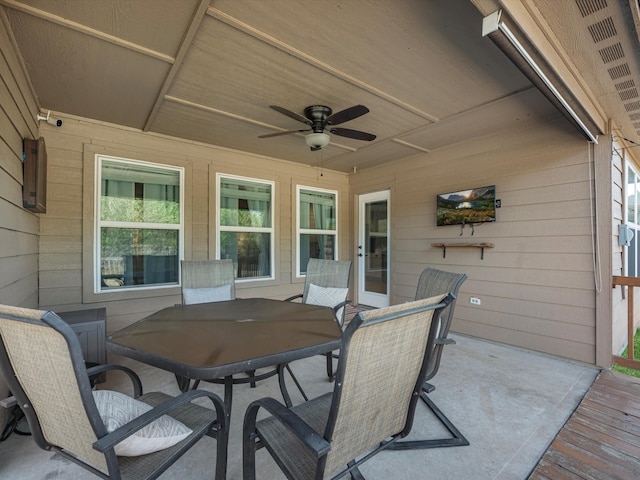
623	156
18	227
618	204
537	284
66	245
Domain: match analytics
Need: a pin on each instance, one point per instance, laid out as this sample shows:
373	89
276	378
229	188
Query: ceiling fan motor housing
317	114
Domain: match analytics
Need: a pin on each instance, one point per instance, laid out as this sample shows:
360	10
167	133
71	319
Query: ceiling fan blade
347	114
290	114
357	134
277	134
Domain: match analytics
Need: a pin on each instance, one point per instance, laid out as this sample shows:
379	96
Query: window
245	225
139	224
317	225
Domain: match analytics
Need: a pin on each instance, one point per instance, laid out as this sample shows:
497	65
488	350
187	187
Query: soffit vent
605	29
602	30
625	85
587	7
629	94
632	106
619	71
611	53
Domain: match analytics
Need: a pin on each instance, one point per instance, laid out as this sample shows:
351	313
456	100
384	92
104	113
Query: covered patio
510	403
190	87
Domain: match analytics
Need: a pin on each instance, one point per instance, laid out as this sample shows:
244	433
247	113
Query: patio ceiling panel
494	116
372	155
89	76
119	19
245	85
221	129
419	66
428	56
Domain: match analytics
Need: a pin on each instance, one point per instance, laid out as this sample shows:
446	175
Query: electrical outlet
475	301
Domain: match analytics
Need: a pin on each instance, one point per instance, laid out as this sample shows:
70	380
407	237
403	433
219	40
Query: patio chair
110	434
326	283
381	370
207	281
433	282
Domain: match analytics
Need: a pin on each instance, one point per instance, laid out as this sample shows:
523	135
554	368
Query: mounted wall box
34	167
625	235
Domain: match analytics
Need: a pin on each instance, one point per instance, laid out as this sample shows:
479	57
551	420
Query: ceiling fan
319	118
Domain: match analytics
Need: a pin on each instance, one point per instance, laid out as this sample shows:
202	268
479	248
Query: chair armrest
428	387
8	402
445	341
135	380
111	439
300	295
337	308
312	440
340	305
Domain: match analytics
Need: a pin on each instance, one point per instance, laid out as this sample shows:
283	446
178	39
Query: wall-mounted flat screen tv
476	205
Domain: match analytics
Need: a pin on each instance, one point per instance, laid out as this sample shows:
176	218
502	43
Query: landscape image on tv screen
477	205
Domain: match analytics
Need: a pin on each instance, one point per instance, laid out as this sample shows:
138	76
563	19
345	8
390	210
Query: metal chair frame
325	273
48	426
433	281
319	434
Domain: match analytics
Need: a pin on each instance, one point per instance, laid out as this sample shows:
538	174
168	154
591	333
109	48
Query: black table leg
183	383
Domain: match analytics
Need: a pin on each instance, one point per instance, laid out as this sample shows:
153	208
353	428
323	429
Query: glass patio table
209	341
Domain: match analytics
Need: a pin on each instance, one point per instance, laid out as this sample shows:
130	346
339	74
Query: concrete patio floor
508	402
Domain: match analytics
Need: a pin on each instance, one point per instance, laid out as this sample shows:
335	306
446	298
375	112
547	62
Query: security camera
56	122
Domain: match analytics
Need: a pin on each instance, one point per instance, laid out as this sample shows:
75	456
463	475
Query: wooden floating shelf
481	246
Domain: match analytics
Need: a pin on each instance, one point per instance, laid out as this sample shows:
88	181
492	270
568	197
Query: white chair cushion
327	297
117	409
207	294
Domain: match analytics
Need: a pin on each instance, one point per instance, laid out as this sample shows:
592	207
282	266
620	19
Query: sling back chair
109	433
327	284
381	370
433	282
205	281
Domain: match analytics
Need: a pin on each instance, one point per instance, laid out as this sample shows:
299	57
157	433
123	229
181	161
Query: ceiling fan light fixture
317	140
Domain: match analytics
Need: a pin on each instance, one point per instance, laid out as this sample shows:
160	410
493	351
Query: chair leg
457	439
222	443
329	366
249	442
295	380
283	386
249	460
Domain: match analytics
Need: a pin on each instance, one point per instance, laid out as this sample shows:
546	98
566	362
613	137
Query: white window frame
302	231
269	230
630	222
99	224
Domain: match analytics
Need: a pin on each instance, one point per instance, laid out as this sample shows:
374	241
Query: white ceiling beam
186	43
92	32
